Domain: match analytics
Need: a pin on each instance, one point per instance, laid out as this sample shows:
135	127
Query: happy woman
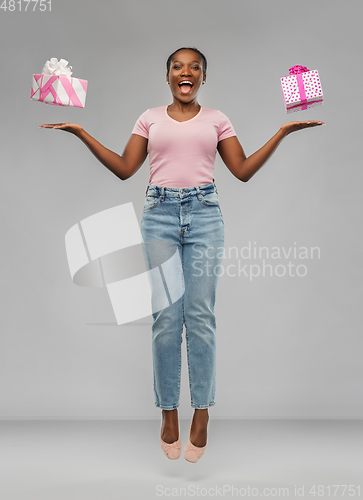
182	206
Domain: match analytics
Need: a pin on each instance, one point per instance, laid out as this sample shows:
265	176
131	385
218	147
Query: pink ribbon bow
295	70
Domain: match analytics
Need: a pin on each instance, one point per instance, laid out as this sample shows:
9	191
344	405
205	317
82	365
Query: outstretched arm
123	166
244	168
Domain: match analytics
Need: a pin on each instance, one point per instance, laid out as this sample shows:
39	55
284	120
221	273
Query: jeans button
182	191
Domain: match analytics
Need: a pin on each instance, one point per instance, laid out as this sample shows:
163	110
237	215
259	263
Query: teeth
186	81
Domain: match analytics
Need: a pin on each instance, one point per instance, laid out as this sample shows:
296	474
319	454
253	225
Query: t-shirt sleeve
142	125
225	129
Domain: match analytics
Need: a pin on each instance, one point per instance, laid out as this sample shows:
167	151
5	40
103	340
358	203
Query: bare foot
170	426
198	431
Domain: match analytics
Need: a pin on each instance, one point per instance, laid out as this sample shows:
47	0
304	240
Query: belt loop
147	189
215	187
162	193
198	190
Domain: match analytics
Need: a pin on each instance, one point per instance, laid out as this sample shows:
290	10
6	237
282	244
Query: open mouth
185	87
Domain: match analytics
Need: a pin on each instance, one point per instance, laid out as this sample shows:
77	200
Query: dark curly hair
202	57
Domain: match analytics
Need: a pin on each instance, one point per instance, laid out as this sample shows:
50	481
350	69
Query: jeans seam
187	342
152	206
180	359
163	407
208	204
203	407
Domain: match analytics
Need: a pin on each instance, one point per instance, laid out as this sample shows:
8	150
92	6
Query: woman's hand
289	127
68	127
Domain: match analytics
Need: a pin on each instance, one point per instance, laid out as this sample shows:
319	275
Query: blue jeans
191	219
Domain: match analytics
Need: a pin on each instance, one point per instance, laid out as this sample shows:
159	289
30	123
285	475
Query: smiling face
185	66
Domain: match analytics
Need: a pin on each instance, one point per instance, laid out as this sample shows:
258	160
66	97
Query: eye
176	67
196	67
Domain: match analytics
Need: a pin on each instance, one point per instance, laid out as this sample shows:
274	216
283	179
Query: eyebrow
192	61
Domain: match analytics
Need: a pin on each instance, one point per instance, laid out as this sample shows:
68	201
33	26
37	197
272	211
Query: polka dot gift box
301	89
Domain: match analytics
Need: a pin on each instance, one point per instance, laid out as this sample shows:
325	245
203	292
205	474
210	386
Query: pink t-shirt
182	154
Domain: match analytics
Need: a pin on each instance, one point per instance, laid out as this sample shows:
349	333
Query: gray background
287	347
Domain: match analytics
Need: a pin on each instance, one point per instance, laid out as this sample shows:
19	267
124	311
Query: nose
186	71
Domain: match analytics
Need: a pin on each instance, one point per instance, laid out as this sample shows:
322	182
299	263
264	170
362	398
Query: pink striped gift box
53	87
301	89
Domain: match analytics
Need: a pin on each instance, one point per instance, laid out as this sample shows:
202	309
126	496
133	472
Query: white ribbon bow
55	67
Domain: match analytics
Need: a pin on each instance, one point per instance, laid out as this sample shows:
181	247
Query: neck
184	107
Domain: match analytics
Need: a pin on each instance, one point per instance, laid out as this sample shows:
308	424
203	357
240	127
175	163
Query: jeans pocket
151	202
210	199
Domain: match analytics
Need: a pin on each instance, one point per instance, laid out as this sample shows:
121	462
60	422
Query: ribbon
45	89
68	87
295	70
298	70
55	67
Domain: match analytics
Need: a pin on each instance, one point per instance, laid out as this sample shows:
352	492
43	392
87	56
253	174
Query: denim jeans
191	219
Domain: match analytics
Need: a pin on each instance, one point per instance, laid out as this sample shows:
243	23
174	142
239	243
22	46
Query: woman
182	206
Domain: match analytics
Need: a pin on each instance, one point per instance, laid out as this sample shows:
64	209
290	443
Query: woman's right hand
68	127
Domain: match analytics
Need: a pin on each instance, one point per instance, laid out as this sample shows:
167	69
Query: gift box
301	89
56	85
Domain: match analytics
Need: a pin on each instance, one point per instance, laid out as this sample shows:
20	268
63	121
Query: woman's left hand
289	127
